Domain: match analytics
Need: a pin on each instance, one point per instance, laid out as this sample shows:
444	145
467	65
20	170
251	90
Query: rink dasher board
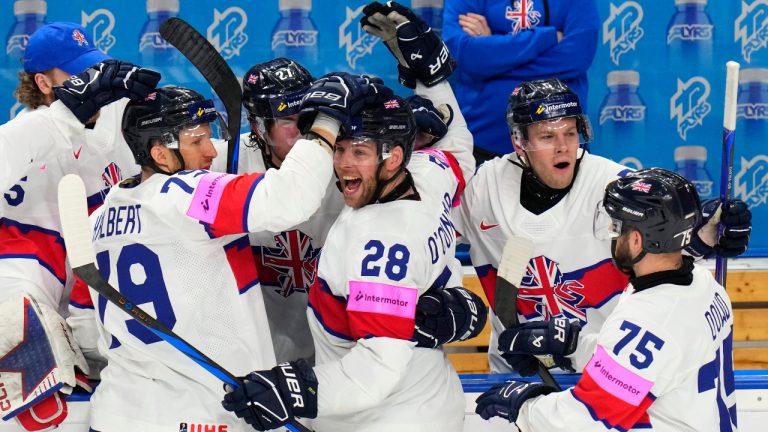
751	400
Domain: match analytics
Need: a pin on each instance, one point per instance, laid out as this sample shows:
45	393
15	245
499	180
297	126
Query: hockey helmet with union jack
662	205
390	124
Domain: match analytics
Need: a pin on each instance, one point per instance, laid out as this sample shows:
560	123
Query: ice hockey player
663	359
286	261
63	70
171	240
546	190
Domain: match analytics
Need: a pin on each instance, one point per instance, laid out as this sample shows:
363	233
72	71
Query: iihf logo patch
522	15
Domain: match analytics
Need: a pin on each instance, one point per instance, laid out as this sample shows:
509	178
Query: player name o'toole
118	220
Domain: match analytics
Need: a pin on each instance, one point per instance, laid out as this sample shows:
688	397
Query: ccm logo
440	61
324	95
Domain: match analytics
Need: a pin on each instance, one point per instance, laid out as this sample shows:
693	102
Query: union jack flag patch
641	187
391	104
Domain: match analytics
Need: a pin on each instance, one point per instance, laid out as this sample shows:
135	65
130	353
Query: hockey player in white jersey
389	245
286	261
86	91
171	241
546	190
664	357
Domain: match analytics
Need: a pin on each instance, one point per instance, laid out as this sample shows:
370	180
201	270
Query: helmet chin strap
625	265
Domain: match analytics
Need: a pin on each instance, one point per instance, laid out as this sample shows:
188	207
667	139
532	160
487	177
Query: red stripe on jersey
368	324
232	213
450	159
487	276
612	411
330	310
81	295
243	265
23	241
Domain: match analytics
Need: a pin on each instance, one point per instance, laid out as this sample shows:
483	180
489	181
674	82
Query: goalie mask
164	117
272	94
662	205
548	102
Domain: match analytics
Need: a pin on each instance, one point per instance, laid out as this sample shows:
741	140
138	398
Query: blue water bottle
690	35
154	51
30	15
690	163
295	35
430	11
622	118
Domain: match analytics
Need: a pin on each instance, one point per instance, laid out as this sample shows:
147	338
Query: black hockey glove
737	220
271	398
342	96
557	337
432	122
504	400
103	83
446	315
420	52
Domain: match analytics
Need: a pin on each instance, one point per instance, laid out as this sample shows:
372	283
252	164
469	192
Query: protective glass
551	134
216	129
605	227
284	130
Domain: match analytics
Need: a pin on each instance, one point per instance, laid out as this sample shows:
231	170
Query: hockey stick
216	71
726	167
514	260
77	232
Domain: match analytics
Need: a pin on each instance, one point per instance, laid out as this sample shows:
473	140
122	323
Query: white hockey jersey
31	247
570	272
376	262
286	261
197	276
663	362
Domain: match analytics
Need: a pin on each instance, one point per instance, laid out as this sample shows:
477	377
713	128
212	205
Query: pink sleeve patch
205	202
382	298
616	379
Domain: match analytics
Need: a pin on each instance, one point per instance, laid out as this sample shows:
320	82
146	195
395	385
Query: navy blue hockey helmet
544	100
662	205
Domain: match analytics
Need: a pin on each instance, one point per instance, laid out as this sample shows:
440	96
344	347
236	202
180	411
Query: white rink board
752	415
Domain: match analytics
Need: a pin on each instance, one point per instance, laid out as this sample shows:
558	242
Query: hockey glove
505	400
341	96
420	52
103	83
271	398
431	122
557	337
737	220
446	315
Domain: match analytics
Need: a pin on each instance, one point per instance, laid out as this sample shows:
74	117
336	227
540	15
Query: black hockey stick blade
512	265
77	233
216	71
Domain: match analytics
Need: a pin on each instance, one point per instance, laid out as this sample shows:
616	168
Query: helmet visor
605	227
356	151
215	128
